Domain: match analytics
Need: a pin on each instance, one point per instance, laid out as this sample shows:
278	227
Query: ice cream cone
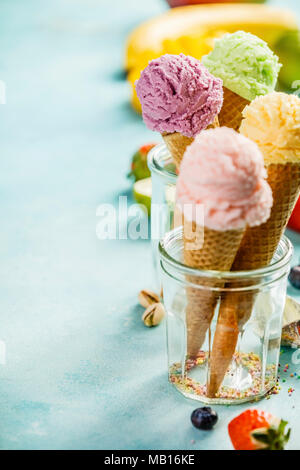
248	69
257	249
259	243
177	143
221	188
179	98
217	253
233	107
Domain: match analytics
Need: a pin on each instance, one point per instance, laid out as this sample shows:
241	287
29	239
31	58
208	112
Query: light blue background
82	371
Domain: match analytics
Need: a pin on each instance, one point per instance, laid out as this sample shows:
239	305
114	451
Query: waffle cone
217	252
177	143
231	112
257	249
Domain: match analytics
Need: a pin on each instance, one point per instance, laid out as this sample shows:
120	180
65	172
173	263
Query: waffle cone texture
216	253
257	249
177	143
231	112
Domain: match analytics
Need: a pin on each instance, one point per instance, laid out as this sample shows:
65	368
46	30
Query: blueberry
204	418
294	277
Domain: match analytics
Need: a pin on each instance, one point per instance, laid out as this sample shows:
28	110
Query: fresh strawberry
146	148
255	430
294	222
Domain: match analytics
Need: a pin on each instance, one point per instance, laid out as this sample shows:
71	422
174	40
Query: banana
192	30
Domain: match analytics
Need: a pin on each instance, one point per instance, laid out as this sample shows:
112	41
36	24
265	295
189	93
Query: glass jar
238	359
163	175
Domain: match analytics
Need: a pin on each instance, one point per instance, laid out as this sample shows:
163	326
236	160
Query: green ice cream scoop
245	63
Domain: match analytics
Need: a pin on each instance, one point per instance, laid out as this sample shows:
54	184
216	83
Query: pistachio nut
154	314
147	297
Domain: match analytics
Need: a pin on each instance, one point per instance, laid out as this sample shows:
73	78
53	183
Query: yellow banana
192	29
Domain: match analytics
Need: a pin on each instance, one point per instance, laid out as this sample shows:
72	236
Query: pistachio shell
147	297
154	314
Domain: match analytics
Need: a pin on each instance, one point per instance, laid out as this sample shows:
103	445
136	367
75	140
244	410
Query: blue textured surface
81	369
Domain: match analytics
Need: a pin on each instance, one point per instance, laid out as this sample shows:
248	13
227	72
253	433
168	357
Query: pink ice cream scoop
179	94
224	172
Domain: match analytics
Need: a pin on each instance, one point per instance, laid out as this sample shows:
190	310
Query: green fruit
142	193
139	165
288	50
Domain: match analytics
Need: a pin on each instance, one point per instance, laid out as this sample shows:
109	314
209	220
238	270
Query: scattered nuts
154	314
147	297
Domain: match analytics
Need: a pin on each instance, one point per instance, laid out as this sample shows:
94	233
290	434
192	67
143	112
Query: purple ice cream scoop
179	94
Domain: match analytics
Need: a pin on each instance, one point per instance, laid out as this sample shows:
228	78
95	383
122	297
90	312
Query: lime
142	192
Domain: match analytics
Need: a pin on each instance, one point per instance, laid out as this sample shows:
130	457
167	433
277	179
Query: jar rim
177	234
154	163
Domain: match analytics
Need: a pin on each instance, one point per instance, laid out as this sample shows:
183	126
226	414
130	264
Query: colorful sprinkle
250	361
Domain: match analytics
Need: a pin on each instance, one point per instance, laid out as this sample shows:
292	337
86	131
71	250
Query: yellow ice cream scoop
273	122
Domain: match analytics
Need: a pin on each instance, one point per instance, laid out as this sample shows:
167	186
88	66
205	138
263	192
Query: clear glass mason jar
163	175
238	359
